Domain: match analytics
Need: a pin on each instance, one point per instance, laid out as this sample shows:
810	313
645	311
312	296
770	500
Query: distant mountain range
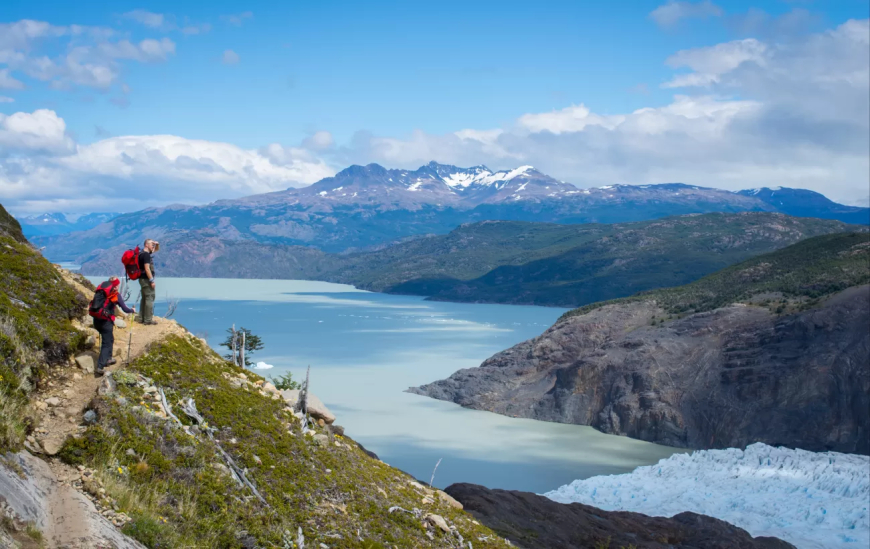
506	261
370	206
48	224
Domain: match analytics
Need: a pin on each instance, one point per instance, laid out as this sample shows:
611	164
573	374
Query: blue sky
393	82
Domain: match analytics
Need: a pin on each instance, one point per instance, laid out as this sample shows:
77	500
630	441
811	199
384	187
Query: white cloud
4	99
668	15
90	56
132	172
709	63
569	119
41	130
230	57
147	18
146	51
802	119
8	82
319	141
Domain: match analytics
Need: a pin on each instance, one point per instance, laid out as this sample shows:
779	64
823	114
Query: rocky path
71	519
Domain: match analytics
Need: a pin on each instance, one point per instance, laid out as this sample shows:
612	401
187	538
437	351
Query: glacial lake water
365	349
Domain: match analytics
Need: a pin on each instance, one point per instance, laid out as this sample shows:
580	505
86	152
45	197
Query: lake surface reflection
365	349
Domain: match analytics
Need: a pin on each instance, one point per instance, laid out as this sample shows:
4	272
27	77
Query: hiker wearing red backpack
139	266
102	308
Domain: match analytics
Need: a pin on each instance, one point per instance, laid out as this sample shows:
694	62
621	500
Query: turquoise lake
365	349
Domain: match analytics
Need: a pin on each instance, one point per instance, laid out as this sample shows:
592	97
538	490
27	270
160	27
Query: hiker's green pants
146	308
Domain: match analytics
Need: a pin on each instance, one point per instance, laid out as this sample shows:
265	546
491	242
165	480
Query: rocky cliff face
724	378
529	520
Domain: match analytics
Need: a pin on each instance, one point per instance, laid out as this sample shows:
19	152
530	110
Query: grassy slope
569	265
795	277
176	495
36	332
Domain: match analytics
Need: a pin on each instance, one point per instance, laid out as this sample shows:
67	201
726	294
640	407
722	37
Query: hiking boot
150	323
98	372
112	362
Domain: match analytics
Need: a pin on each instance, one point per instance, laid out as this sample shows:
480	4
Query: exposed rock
86	363
52	401
90	417
532	521
90	342
316	407
107	385
724	378
321	439
438	522
52	445
449	500
65	517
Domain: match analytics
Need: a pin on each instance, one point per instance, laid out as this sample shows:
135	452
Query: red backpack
130	259
101	306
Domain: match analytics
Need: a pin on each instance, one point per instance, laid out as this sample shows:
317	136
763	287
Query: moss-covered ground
179	493
36	332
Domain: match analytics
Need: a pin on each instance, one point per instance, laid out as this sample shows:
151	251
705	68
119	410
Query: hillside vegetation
794	278
170	479
571	265
165	478
36	330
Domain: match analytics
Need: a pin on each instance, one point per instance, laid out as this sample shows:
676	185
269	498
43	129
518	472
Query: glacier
810	499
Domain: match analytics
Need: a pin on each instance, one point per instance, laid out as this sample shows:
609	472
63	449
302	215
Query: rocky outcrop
32	495
533	521
724	378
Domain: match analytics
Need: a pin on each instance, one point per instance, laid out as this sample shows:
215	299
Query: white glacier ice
810	499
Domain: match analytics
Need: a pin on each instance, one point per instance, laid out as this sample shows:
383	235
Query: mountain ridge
367	206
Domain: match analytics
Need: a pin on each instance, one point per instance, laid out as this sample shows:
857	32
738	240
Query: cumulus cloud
230	57
4	99
319	141
41	130
132	172
668	15
802	119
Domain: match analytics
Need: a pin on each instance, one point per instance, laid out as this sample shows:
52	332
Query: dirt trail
59	411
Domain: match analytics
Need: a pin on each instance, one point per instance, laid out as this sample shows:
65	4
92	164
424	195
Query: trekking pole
129	342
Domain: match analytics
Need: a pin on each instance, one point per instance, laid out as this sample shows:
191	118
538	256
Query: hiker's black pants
107	339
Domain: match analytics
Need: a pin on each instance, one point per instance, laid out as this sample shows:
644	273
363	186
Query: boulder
86	363
448	499
52	401
107	386
316	407
438	522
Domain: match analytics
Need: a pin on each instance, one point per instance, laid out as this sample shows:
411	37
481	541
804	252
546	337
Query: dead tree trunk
242	363
234	344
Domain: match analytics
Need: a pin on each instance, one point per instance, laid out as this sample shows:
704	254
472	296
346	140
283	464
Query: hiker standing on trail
146	282
102	308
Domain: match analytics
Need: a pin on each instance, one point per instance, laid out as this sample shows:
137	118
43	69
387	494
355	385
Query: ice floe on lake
810	499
